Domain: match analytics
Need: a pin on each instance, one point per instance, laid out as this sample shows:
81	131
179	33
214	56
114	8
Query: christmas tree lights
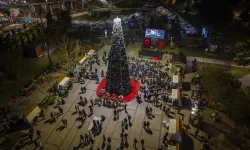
118	80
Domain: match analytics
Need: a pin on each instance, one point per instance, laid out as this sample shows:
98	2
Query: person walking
148	124
31	136
196	132
109	140
60	110
103	139
115	114
142	143
37	143
42	114
187	127
77	108
135	143
209	136
38	133
91	109
125	108
92	102
82	139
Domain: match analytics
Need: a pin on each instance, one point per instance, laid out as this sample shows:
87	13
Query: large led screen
153	33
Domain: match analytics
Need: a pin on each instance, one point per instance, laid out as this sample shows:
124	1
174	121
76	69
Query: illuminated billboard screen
156	34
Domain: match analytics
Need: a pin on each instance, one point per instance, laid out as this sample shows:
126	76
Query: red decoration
147	42
127	98
161	44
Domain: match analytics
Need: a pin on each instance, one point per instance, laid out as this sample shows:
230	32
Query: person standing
103	139
135	143
129	118
115	114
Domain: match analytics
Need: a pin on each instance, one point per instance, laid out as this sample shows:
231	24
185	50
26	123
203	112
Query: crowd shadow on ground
188	143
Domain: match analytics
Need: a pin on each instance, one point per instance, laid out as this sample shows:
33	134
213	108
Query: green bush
47	101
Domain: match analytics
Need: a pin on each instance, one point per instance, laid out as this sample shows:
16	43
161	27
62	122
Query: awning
91	53
176	93
176	78
64	81
82	60
32	111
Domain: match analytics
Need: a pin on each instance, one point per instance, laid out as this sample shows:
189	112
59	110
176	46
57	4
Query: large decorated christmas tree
118	80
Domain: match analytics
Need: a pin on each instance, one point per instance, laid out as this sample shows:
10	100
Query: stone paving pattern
65	139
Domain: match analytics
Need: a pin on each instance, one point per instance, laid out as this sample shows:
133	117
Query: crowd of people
155	88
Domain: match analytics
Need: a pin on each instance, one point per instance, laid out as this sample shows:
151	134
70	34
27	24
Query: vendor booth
176	95
177	63
31	112
90	53
81	59
176	80
62	81
34	50
175	134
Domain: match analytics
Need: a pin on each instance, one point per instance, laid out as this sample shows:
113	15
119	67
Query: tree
62	20
118	80
69	52
241	52
49	33
214	13
11	64
245	16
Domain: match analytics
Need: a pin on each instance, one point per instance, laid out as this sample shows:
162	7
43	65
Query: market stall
81	59
176	95
62	81
91	53
177	63
176	82
175	134
31	112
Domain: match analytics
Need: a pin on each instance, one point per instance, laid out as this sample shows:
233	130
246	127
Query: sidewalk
215	61
79	14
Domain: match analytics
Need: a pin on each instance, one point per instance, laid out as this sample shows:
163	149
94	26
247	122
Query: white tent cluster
184	25
104	24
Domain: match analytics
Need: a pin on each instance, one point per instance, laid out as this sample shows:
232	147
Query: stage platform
154	55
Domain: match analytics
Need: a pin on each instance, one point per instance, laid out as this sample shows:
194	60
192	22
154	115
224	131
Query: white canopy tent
62	81
90	53
176	79
31	112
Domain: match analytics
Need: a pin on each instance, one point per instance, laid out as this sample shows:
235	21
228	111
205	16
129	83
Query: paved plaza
52	138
